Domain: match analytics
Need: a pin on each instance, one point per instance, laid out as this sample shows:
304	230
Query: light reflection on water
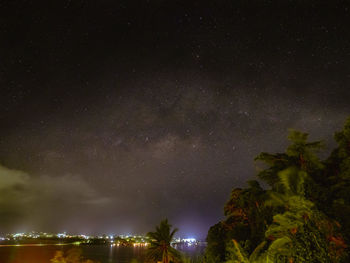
110	256
101	253
43	254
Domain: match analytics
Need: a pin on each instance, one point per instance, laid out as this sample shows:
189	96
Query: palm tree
301	154
160	247
300	232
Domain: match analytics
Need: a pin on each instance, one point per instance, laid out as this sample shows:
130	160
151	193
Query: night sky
117	114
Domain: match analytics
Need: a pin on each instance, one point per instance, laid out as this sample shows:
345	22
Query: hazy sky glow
116	114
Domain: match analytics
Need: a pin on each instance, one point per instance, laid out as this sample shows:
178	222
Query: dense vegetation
303	216
73	255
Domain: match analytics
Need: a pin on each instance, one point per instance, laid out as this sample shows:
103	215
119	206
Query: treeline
303	216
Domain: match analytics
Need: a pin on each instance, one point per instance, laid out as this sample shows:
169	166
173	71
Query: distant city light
189	240
40	238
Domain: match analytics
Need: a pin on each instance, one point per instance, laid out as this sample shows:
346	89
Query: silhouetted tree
160	248
295	220
338	184
216	243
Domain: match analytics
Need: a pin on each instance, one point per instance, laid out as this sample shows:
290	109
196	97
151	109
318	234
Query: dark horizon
117	114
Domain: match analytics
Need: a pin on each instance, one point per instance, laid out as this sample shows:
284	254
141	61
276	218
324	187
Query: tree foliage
160	248
303	217
73	255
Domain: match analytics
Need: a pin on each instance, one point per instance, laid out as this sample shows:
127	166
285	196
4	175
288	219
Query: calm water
103	254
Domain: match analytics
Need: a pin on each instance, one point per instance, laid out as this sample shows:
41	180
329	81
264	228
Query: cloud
27	200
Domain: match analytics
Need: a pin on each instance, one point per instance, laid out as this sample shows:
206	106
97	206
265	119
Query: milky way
116	114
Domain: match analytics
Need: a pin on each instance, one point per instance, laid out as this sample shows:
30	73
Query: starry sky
117	114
